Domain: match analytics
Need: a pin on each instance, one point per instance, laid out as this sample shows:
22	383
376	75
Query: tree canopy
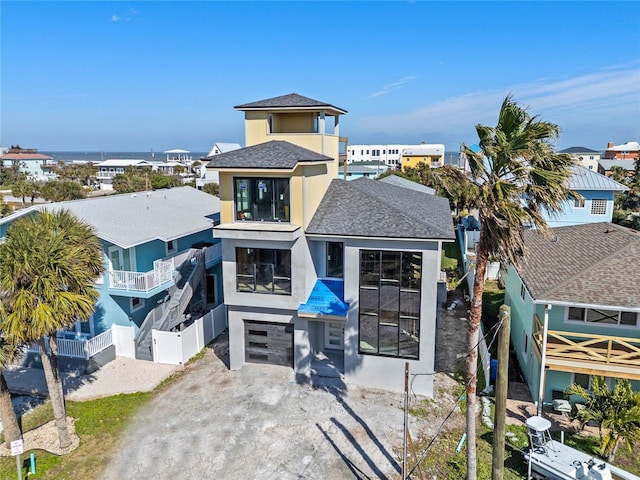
515	179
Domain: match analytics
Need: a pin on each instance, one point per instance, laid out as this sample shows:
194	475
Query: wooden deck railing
599	351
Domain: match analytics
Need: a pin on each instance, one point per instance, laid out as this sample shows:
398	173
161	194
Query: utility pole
502	382
406	408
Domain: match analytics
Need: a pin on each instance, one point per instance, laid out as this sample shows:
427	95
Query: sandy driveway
258	423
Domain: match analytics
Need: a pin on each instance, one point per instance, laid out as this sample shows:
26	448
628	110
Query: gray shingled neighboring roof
276	154
590	264
290	101
585	179
360	169
578	150
403	182
369	208
135	218
608	164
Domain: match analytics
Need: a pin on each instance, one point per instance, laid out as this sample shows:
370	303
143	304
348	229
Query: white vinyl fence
123	340
176	348
84	349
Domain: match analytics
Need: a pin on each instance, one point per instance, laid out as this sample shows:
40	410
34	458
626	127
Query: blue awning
326	299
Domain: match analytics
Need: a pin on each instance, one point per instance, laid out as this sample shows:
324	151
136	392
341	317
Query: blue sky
135	76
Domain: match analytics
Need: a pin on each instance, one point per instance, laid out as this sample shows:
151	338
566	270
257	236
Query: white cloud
128	15
393	86
604	98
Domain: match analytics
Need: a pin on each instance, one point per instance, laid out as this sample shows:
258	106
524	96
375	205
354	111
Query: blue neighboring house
575	307
357	170
36	166
162	263
596	205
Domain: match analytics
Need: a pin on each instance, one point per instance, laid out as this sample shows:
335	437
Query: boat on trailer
549	459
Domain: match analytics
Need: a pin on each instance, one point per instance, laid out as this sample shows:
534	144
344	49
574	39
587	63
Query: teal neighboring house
36	166
163	265
575	307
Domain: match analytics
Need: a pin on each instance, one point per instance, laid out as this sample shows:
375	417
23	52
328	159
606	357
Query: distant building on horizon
36	166
429	154
388	154
626	151
585	157
213	176
391	154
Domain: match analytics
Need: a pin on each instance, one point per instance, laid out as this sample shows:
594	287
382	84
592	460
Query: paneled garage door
268	343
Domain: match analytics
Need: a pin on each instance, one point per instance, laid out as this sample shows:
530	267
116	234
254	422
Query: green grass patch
99	424
492	300
442	460
451	256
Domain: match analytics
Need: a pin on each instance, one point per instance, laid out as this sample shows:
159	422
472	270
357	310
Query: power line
460	397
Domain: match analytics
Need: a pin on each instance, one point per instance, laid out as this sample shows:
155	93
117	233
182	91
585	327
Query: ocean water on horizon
101	156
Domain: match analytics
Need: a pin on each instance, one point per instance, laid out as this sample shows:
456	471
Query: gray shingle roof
403	182
133	219
370	208
592	264
607	164
585	179
276	154
578	150
292	100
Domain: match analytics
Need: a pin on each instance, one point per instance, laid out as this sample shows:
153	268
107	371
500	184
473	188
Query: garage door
268	343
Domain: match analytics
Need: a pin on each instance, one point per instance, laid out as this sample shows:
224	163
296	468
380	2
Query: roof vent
133	195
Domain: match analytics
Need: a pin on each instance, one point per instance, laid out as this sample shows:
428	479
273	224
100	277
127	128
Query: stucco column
301	347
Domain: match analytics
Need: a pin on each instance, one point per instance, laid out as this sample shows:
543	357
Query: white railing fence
123	339
163	270
98	343
176	348
135	281
84	349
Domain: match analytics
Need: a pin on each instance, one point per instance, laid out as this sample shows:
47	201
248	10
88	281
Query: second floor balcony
162	274
605	355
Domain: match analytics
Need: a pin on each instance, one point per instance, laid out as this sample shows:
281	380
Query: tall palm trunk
10	424
54	385
473	330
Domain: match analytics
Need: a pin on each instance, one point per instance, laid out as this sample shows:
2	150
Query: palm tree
9	351
10	426
20	189
617	413
515	178
48	266
619	174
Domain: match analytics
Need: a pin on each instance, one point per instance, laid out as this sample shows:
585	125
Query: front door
334	335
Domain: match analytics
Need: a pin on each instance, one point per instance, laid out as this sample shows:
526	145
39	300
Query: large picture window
260	270
262	199
390	303
602	316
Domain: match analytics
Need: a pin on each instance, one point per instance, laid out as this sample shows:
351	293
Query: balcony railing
81	348
142	281
213	253
571	351
103	174
163	271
